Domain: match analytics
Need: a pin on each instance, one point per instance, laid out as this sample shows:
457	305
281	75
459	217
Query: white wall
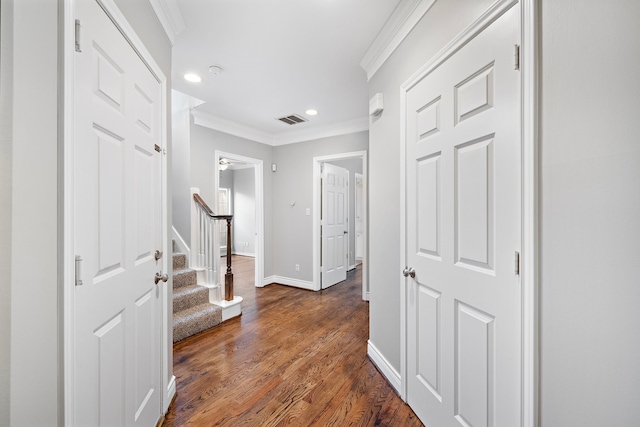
181	164
34	239
443	22
294	182
590	213
244	211
6	134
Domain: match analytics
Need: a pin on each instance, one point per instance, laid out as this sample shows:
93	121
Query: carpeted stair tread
186	277
189	296
194	320
179	261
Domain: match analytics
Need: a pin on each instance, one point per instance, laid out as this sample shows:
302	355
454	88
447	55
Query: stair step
186	277
189	296
179	261
194	320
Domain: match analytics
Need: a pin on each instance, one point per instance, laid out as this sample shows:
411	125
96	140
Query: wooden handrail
228	277
208	210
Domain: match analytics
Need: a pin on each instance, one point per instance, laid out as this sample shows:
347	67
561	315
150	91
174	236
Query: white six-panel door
463	205
117	104
334	224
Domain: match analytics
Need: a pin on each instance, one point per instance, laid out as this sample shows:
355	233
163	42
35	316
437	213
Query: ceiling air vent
293	119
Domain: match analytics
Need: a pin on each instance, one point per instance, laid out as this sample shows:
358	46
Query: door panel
334	225
117	323
463	226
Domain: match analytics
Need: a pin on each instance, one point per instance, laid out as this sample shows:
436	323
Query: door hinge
516	269
77	36
516	56
157	148
78	270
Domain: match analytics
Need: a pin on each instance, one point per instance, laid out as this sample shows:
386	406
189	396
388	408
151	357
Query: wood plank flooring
294	357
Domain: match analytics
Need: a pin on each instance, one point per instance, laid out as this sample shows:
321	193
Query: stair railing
206	248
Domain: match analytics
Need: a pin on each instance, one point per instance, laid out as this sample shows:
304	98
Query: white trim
68	219
288	281
184	248
268	280
383	365
249	254
259	204
529	260
170	17
334	129
208	120
530	212
403	19
351	267
171	392
316	217
211	121
68	35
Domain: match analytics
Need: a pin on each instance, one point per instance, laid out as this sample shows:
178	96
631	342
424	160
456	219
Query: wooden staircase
192	311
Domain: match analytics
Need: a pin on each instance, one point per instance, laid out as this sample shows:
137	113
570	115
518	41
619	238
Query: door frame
259	203
355	198
530	187
317	194
66	302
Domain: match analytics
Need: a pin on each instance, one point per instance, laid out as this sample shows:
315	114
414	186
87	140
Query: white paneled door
117	313
463	228
334	224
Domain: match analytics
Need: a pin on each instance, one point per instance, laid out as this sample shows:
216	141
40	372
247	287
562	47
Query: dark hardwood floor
294	357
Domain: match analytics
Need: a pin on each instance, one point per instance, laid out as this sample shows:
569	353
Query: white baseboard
351	267
249	254
385	368
182	245
268	280
171	392
290	282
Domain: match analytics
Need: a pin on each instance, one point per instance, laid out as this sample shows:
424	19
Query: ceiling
279	57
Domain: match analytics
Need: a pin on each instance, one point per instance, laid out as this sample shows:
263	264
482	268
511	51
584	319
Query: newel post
228	277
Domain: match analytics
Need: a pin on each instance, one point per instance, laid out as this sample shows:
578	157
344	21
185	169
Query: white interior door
117	327
334	224
359	219
463	227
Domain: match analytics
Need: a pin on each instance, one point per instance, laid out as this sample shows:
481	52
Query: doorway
342	160
240	180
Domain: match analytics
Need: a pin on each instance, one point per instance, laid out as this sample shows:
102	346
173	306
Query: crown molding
170	17
403	19
214	122
334	129
211	121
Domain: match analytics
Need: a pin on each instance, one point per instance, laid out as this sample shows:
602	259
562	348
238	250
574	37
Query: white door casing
463	226
359	219
117	228
334	224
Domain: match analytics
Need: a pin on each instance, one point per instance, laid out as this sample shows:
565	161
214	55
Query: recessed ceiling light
193	78
311	112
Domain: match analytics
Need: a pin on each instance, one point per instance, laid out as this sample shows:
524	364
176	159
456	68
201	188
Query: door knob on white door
160	277
409	272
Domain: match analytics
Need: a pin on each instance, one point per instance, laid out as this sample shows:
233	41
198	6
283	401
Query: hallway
294	357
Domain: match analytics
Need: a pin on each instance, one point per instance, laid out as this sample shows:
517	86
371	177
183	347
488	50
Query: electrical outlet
297	267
